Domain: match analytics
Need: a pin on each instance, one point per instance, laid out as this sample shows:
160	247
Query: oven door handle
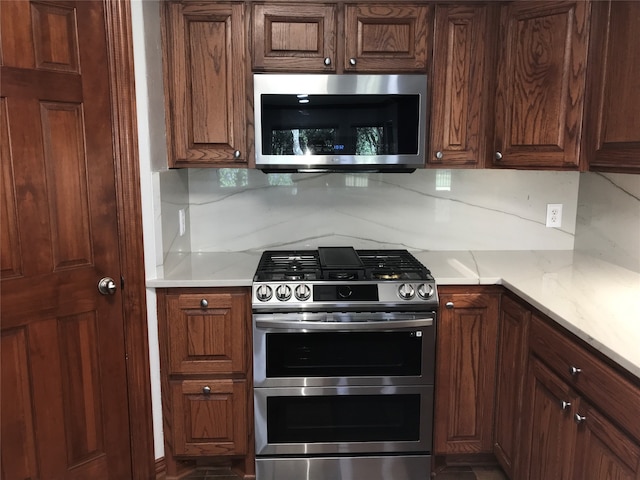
345	326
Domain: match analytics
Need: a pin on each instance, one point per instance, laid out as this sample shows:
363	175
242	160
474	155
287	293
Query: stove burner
387	276
293	276
342	275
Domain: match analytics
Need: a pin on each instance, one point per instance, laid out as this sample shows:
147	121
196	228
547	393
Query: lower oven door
343	420
329	349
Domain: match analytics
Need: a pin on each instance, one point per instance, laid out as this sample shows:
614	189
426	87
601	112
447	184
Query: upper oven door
329	349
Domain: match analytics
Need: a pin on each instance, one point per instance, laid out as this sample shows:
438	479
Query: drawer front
206	333
602	385
209	417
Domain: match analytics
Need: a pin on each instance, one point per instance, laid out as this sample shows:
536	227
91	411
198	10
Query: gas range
342	279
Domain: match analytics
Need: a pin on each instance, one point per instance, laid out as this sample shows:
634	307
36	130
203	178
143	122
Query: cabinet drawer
209	417
206	332
602	385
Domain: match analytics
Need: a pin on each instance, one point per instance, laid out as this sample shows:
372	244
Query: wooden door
612	122
460	86
541	84
64	386
548	437
465	371
387	38
205	84
294	38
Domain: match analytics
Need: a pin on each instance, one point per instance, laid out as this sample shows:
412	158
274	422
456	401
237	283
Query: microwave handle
349	326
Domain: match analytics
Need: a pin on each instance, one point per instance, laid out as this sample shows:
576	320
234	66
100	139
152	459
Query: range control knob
264	293
406	291
425	291
283	293
302	292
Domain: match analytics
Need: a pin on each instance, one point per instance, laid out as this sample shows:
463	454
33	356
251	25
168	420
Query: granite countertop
596	300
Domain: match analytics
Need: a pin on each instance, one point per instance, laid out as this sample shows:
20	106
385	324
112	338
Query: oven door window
343	418
335	354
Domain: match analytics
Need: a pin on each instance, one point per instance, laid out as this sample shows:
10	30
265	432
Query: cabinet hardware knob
352	62
449	305
236	154
565	405
204	303
327	61
498	156
206	389
439	155
579	418
574	370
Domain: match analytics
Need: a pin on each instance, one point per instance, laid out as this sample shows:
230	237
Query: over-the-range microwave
364	123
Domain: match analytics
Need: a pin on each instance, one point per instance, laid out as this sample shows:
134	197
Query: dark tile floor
452	473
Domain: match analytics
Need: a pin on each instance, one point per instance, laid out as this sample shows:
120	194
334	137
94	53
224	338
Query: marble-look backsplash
246	210
608	219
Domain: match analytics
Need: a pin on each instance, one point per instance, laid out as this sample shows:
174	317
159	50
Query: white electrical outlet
554	215
182	222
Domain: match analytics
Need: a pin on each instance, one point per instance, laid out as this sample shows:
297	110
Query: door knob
107	286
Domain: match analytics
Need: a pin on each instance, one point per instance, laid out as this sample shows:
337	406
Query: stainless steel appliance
344	351
313	122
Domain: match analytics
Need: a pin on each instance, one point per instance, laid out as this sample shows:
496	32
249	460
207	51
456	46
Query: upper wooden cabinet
205	84
612	121
460	86
465	370
541	76
332	38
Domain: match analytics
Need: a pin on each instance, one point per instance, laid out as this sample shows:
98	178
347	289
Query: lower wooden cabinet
465	370
204	338
513	335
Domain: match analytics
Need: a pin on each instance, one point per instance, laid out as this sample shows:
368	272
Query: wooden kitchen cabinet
462	57
339	38
205	376
465	370
204	46
513	337
612	122
580	414
541	76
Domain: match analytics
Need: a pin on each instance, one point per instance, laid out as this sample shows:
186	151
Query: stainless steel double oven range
344	352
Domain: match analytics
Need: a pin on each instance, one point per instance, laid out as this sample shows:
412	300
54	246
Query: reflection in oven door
339	420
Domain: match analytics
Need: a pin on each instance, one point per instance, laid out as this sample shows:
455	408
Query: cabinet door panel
294	37
206	339
511	371
548	440
603	452
205	84
541	84
459	86
465	373
209	417
613	123
387	38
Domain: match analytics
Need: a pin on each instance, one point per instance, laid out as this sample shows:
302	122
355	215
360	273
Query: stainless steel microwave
370	123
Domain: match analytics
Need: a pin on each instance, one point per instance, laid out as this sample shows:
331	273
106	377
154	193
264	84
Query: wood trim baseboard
126	162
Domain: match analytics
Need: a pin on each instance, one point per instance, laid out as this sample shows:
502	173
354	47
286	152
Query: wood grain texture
465	371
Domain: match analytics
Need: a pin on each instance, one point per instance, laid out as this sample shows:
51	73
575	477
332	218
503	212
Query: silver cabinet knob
107	286
579	418
449	305
565	405
574	370
327	61
498	156
206	389
204	303
352	62
439	155
236	154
